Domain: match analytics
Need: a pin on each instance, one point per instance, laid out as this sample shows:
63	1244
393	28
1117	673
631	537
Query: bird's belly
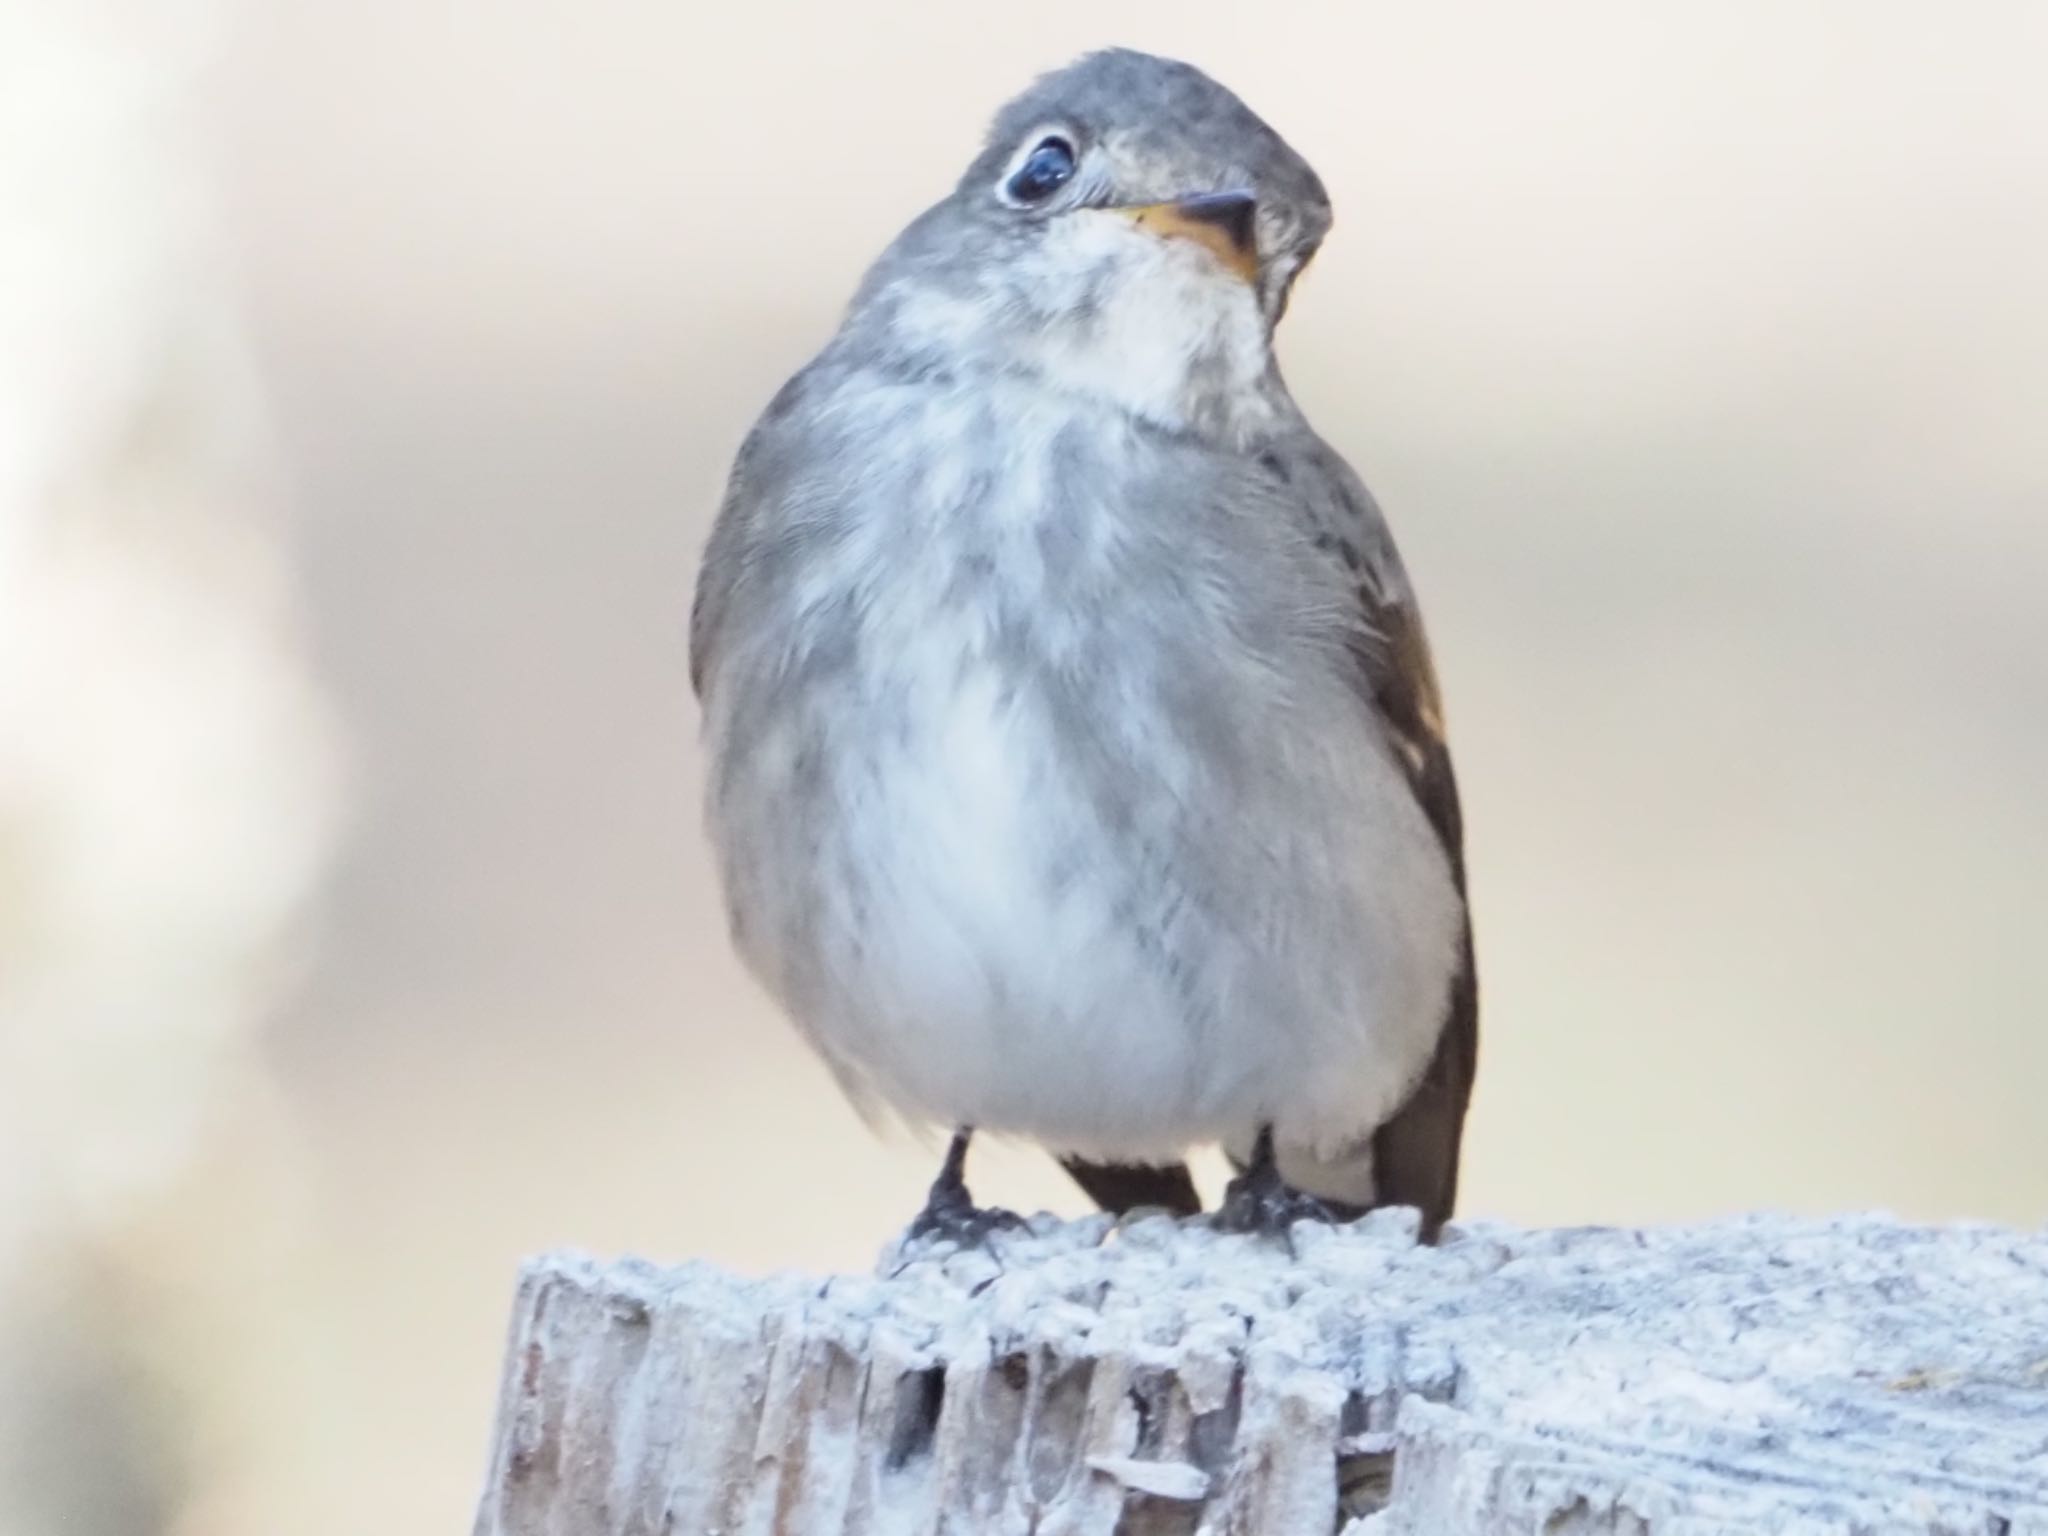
979	919
989	958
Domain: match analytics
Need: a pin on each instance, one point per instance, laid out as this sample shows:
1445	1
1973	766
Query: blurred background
368	374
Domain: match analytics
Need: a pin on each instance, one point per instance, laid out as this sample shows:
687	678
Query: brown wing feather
1415	1154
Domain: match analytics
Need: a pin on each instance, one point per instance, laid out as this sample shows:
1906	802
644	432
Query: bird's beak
1220	222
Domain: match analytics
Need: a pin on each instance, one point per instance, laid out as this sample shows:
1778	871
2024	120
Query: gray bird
1077	770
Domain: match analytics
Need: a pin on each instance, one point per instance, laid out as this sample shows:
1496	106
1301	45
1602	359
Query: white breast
984	974
960	933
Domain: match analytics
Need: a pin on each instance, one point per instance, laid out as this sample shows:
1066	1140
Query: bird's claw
956	1219
1259	1203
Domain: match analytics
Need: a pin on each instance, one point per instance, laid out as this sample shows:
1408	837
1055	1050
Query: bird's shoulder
791	437
1394	669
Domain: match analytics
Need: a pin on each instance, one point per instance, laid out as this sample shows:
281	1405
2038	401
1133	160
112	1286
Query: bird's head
1130	231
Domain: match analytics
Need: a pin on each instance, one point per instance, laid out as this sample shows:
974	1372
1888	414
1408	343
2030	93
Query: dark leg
950	1212
1260	1201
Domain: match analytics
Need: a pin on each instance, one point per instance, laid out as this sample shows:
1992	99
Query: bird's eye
1044	171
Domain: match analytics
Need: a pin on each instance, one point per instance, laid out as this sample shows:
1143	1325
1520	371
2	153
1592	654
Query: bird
1076	763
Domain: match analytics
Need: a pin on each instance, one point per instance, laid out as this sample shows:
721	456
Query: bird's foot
950	1215
1259	1203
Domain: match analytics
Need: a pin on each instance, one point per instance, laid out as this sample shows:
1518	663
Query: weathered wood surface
1854	1375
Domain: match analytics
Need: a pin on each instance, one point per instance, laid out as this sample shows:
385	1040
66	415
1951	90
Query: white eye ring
1046	162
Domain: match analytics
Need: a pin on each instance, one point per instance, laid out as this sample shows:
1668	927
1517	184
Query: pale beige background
1700	354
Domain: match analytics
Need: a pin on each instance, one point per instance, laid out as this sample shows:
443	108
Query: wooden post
1755	1375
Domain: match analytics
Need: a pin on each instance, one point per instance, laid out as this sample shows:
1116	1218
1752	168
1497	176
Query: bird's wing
758	488
723	564
1415	1154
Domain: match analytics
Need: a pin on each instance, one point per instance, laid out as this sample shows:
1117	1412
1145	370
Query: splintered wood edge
1762	1374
